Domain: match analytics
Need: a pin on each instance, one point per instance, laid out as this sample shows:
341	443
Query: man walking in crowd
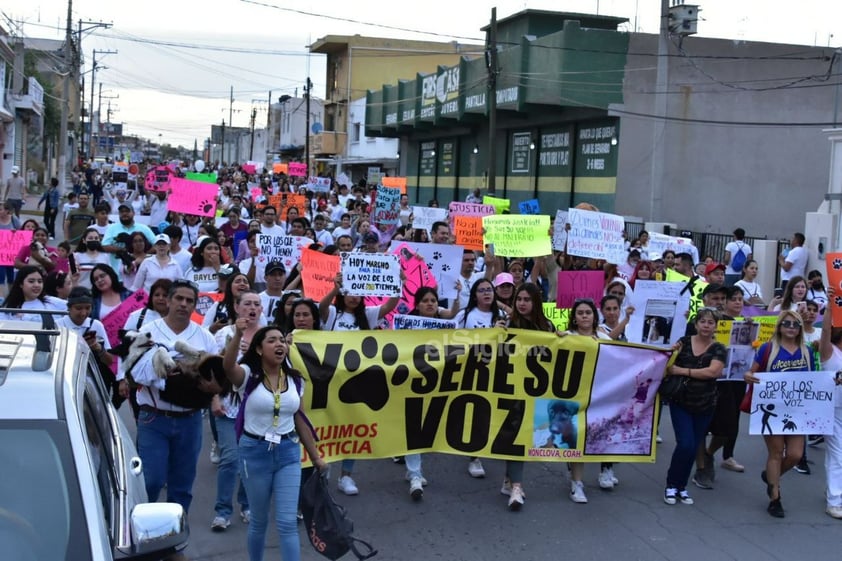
793	262
79	220
15	191
737	254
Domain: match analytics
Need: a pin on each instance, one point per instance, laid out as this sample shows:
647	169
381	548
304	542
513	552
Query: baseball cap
655	256
371	237
162	238
712	267
122	206
711	288
503	278
15	169
273	266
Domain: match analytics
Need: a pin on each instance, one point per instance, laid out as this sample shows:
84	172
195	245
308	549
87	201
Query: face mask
93	245
817	284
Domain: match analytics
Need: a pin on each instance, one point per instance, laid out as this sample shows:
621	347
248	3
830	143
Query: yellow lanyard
276	393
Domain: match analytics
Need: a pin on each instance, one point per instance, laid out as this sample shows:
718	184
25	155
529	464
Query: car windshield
41	515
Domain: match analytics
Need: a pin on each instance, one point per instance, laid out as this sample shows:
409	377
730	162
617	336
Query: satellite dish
199	165
316	128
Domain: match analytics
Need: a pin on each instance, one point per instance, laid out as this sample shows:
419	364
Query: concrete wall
718	177
366	147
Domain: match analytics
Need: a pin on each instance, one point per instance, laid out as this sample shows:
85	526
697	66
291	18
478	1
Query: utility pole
307	88
491	64
91	113
656	172
251	145
222	148
65	101
230	116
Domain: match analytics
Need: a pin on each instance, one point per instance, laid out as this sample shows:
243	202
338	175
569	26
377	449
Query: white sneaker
214	453
606	479
506	489
516	498
347	485
416	488
834	511
408	477
245	516
475	468
220	524
577	492
658	438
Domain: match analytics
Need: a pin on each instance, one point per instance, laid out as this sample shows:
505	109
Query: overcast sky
179	92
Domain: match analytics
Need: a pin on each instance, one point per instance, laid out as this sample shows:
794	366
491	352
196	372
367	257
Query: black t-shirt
686	358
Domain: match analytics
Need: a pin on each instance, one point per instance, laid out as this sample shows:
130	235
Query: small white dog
141	343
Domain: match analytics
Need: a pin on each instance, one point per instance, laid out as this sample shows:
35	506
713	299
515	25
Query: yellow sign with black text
492	393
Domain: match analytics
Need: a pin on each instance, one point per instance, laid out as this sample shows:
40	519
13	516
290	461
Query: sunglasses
583	301
791	324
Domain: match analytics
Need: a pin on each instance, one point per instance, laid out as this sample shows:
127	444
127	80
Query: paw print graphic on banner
371	385
837	264
205	206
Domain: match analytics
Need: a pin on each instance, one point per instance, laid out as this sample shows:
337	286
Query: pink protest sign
158	179
469	209
11	243
416	274
256	193
116	318
297	170
249	169
575	285
192	197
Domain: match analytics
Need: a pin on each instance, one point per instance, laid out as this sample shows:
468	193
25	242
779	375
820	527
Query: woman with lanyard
785	352
271	411
582	322
752	293
206	265
701	360
225	408
481	311
527	313
616	330
88	254
27	293
349	313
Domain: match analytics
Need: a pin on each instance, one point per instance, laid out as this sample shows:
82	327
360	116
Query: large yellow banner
492	393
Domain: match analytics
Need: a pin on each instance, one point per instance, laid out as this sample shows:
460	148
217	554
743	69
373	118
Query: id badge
272	437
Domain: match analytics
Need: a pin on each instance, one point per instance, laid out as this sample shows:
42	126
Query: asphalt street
465	519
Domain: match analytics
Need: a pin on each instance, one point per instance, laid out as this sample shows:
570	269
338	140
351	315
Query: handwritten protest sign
423	217
500	205
279	168
469	209
661	242
532	206
557	316
387	206
468	231
11	243
441	259
416	275
834	279
342	179
319	184
575	285
374	176
192	197
560	230
256	193
402	321
371	274
201	177
394	183
297	169
792	403
116	318
318	271
285	201
597	235
158	179
250	169
286	249
517	235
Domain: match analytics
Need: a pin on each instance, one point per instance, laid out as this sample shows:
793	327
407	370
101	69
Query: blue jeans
413	465
169	448
272	473
690	430
226	473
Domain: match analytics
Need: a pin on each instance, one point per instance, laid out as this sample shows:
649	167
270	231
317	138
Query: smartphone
779	292
71	259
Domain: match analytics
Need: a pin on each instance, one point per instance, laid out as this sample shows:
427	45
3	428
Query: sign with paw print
834	280
192	197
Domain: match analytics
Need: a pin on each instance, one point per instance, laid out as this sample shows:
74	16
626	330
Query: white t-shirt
798	257
749	289
346	321
85	263
732	248
205	277
49	303
476	319
467	284
88	325
810	338
134	318
270	304
273	230
260	407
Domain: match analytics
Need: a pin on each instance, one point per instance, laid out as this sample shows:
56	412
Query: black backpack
327	525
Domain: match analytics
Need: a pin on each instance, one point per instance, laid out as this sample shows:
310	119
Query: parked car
72	486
